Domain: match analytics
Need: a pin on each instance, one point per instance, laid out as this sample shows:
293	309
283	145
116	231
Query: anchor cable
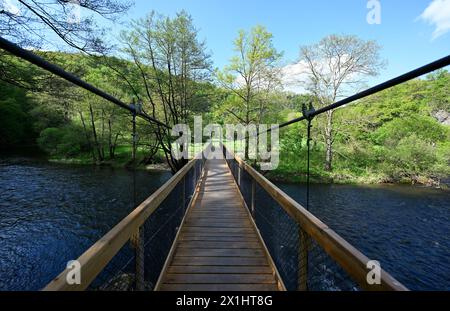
309	116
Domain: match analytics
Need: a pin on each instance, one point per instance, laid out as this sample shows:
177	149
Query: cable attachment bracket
308	114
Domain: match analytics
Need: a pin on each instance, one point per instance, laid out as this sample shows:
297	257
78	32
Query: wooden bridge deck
218	247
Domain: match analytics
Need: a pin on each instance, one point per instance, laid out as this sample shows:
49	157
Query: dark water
50	214
406	228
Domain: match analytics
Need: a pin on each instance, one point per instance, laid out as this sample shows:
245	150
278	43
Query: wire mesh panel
323	273
245	185
146	253
160	230
119	273
301	262
280	233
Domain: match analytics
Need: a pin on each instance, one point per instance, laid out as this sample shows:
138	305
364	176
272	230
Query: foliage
390	136
336	67
173	67
67	141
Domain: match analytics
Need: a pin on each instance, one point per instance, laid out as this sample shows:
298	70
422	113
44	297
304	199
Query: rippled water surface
50	214
406	228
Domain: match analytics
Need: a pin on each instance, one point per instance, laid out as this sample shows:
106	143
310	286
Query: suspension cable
42	63
309	115
438	64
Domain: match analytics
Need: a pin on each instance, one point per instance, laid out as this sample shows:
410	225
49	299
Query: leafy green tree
251	76
172	64
337	66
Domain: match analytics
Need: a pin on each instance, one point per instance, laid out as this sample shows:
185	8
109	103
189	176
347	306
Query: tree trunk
94	132
246	145
87	136
110	140
329	141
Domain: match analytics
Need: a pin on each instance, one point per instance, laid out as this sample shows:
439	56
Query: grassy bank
347	176
122	159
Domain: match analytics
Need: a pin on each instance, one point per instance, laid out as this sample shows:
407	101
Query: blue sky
406	40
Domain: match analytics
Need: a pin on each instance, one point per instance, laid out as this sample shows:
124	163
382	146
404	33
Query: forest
399	135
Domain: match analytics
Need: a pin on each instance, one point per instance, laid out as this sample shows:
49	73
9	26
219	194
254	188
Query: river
52	213
406	228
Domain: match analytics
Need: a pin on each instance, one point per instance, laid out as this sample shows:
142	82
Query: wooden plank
219	244
216	252
221	269
219	279
213	213
217	230
219	287
212	217
219	261
208	189
219	238
94	260
218	223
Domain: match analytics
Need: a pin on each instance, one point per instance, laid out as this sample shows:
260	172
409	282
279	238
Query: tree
336	66
172	65
251	76
439	90
28	22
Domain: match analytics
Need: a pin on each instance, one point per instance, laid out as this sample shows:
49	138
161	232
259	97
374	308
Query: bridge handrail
347	256
95	259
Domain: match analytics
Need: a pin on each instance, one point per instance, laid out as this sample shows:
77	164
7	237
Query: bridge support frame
302	260
252	207
138	244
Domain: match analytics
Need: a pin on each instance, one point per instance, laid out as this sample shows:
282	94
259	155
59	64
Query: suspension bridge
218	224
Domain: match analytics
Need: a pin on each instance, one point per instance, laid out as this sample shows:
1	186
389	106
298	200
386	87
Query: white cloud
437	14
293	77
10	6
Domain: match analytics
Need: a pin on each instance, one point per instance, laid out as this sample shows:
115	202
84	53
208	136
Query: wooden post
137	242
239	174
302	260
183	193
253	198
195	173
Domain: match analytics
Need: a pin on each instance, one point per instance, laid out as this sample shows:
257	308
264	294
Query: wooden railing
96	258
345	255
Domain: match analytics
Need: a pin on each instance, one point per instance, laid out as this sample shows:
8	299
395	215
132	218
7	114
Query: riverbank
122	159
111	163
350	179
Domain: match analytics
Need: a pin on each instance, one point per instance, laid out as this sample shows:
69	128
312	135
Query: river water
406	228
51	213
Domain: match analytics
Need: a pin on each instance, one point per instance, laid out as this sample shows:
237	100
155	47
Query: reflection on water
406	228
50	214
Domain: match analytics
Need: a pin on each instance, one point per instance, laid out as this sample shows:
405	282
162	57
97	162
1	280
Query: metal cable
438	64
42	63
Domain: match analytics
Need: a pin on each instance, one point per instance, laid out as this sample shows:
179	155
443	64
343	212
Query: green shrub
67	141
